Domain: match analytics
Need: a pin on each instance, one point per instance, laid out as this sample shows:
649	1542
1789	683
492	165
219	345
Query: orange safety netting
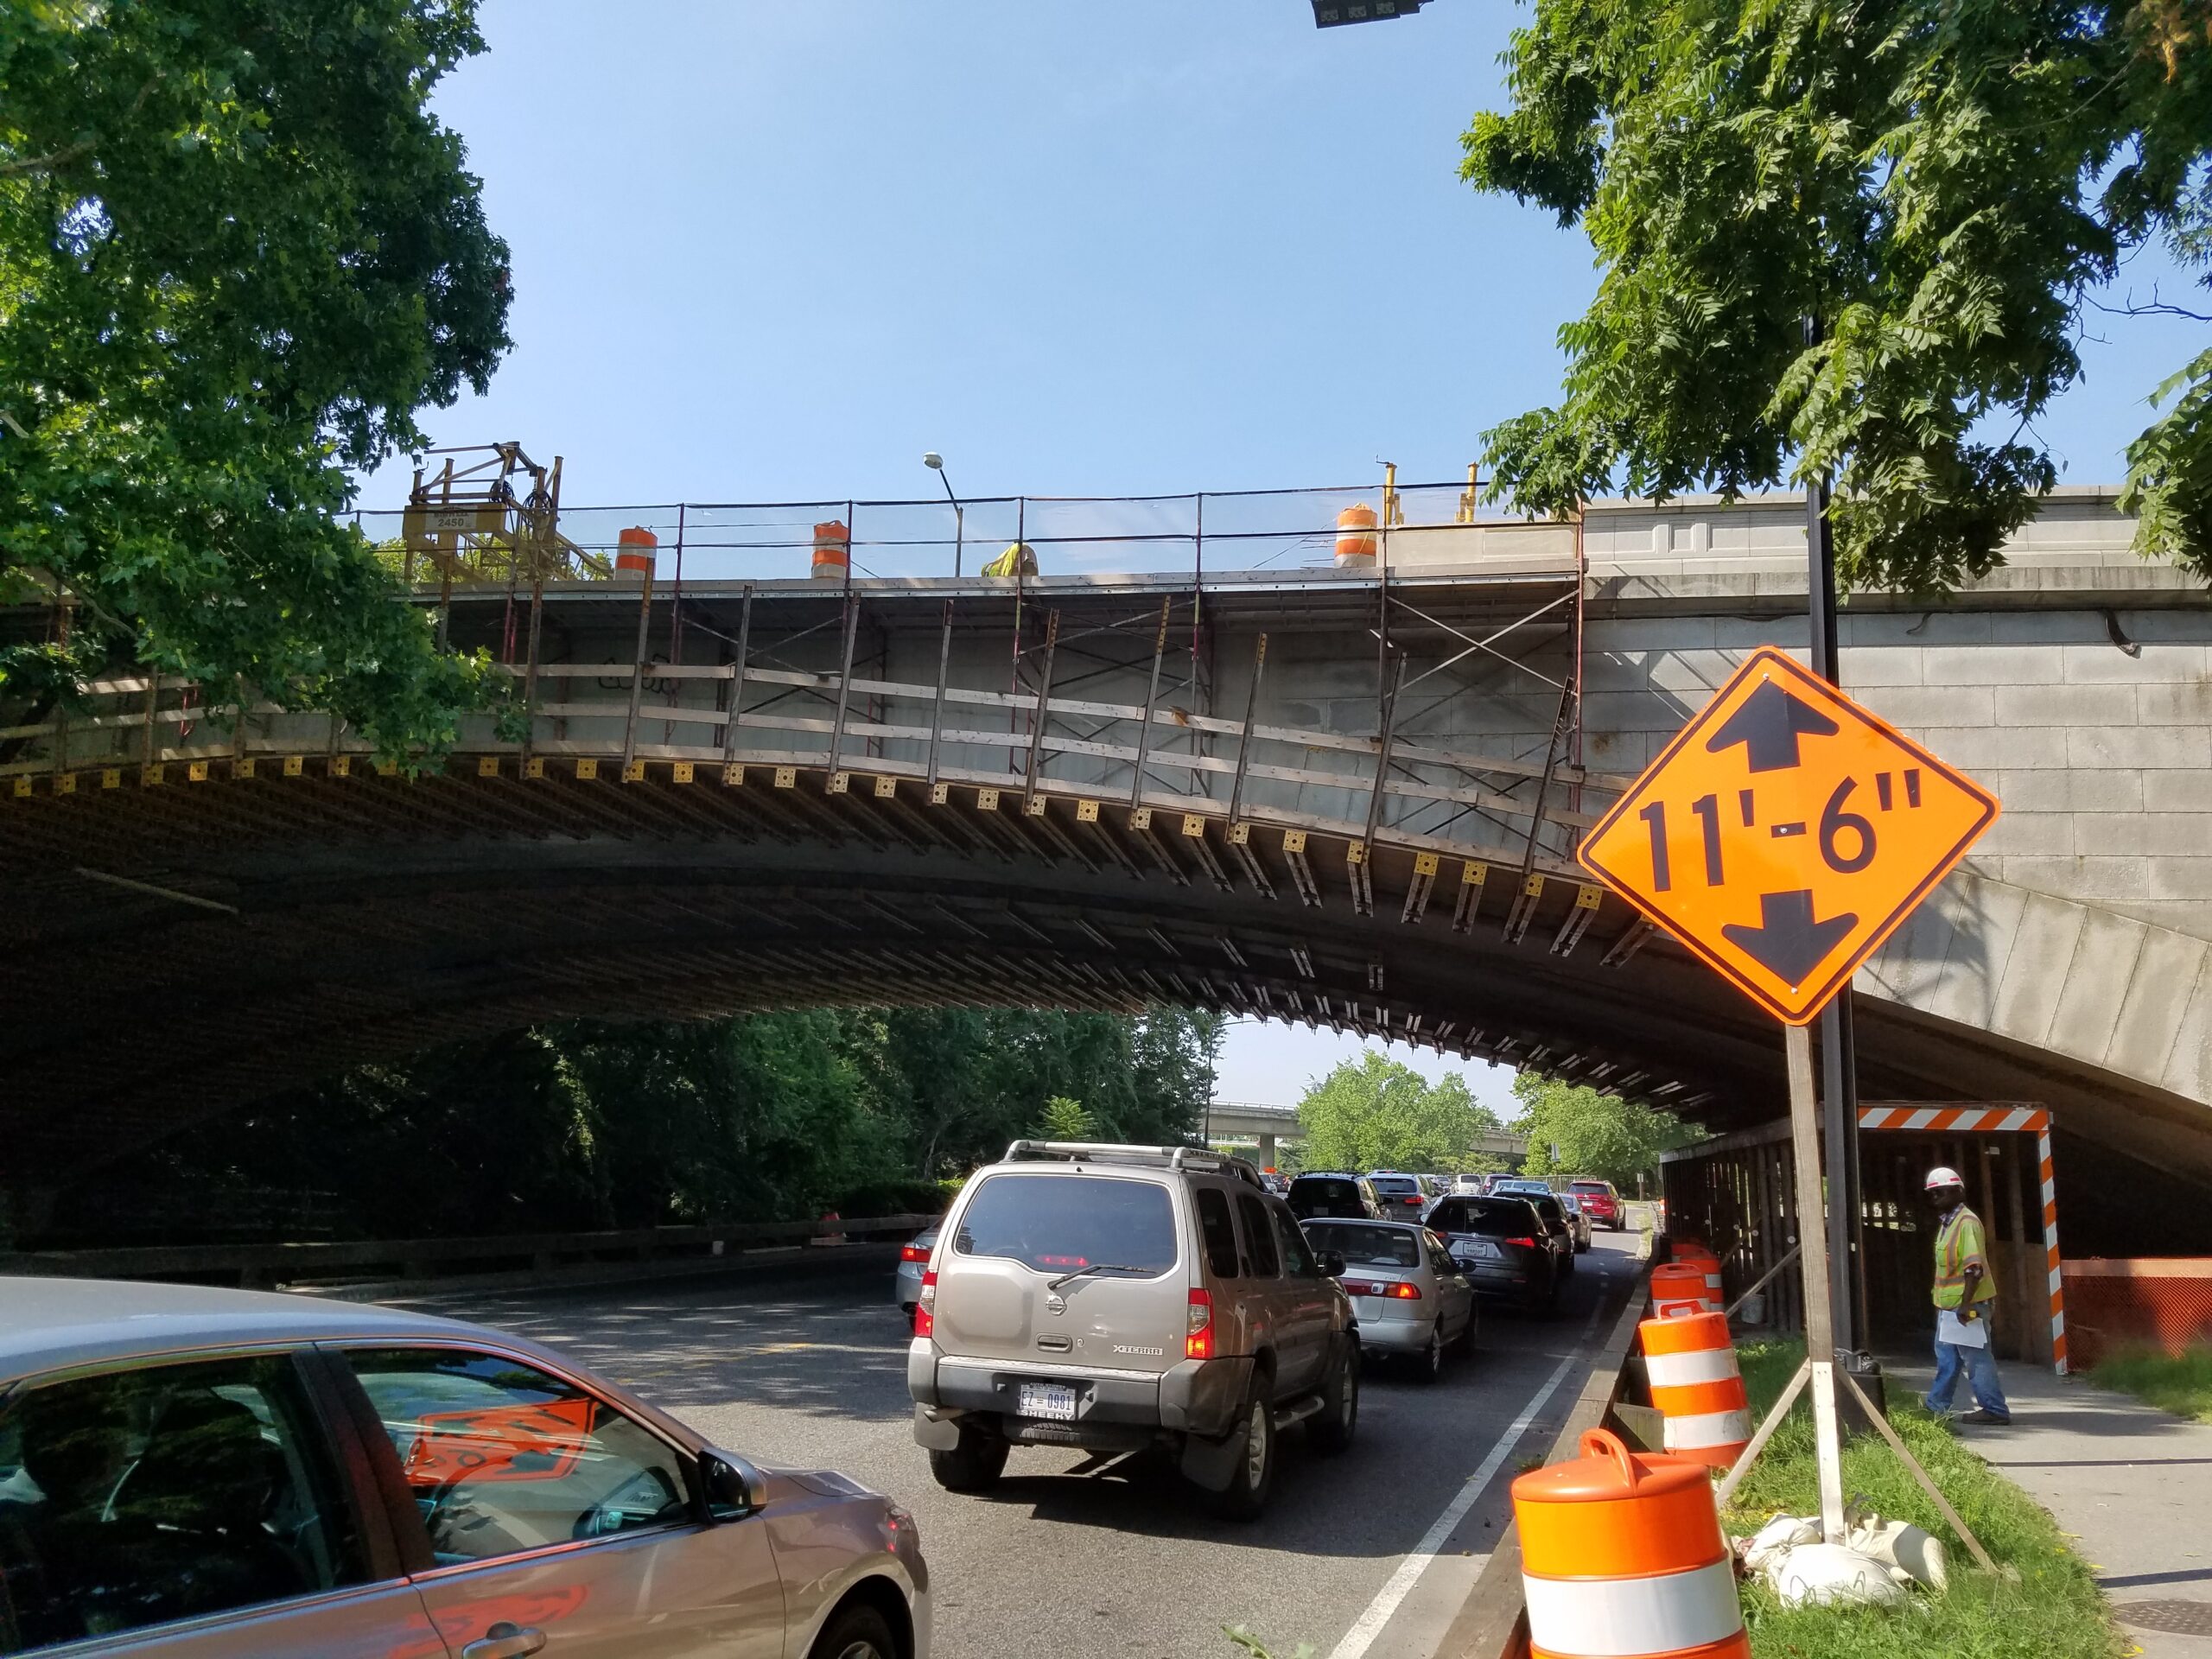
2158	1302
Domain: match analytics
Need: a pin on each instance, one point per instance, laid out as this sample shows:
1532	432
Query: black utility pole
1838	1059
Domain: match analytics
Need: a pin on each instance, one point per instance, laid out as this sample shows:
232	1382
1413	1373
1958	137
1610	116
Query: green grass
2053	1612
2183	1386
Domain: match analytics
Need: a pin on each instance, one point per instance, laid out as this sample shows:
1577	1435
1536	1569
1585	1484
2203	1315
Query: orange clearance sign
1785	833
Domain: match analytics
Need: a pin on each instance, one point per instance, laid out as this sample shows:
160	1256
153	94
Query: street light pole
935	462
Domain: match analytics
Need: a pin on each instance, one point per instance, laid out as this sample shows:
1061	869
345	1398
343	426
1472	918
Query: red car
1601	1199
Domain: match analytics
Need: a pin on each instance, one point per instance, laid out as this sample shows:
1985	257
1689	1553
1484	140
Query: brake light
912	1253
1525	1243
1198	1340
926	1309
1402	1292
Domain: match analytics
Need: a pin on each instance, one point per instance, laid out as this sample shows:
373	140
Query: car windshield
1370	1246
1485	1217
1058	1224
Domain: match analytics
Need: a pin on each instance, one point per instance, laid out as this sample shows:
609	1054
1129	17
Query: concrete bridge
1344	797
1268	1126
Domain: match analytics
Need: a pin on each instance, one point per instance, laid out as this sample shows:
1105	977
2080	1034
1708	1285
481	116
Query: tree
1941	186
236	254
1065	1120
1578	1131
1376	1113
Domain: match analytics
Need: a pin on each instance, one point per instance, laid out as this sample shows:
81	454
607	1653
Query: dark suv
1320	1197
1502	1245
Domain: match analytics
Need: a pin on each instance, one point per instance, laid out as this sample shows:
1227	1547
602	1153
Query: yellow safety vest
1019	559
1960	1245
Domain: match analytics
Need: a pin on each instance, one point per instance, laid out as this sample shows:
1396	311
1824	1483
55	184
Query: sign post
1781	836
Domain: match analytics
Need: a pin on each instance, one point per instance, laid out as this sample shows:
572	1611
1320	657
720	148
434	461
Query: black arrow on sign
1787	941
1768	725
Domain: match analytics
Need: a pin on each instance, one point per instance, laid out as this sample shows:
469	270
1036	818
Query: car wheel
855	1632
1255	1470
1329	1430
1428	1364
974	1465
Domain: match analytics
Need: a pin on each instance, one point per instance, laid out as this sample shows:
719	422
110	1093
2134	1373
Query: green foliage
1574	1131
2181	1383
1941	186
1241	1636
764	1117
1374	1113
236	254
1065	1120
2053	1612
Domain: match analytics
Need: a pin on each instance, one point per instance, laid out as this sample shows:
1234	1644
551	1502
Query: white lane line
1369	1625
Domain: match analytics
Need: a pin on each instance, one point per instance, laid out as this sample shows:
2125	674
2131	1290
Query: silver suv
1114	1298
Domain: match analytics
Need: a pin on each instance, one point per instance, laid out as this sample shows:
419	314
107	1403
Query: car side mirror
1331	1262
735	1488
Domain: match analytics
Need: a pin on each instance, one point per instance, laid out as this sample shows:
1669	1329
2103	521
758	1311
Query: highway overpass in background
1266	1126
1200	766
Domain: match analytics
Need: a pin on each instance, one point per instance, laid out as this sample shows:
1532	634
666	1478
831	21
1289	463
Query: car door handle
505	1641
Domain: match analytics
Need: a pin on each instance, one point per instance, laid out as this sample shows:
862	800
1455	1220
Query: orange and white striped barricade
1622	1557
1356	538
1701	1257
833	551
1691	1366
1678	1290
634	552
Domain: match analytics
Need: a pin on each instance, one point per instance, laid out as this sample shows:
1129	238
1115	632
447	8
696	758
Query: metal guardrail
257	1266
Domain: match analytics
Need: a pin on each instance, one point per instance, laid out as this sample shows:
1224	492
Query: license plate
1048	1400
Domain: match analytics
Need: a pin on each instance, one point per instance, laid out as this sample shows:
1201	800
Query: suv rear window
1396	1185
1484	1218
1324	1195
1059	1222
1591	1189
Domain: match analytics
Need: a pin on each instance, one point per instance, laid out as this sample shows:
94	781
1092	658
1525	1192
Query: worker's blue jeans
1980	1366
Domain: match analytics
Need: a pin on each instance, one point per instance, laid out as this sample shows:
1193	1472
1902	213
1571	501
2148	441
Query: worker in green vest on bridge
1020	559
1965	1297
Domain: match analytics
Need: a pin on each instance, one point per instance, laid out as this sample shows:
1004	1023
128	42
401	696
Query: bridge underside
282	927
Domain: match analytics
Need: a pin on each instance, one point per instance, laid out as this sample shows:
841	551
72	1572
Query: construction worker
1965	1297
1020	559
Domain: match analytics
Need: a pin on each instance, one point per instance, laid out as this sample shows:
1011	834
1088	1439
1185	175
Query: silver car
1414	1302
914	1263
227	1474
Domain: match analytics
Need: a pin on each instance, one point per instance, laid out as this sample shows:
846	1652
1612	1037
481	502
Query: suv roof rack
1199	1158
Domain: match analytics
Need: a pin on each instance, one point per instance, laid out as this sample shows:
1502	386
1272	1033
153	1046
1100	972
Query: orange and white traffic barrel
833	549
1622	1557
1691	1365
1678	1289
1356	537
635	551
1698	1257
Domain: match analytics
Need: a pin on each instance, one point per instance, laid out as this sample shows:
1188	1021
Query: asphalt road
1357	1555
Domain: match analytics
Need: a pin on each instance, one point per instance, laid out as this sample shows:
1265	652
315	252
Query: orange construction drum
1691	1365
1678	1288
833	549
1697	1255
1356	537
1622	1557
633	554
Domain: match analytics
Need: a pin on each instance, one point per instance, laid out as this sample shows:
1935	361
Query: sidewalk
2131	1485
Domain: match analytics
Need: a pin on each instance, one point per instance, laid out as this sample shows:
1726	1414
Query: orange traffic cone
829	1238
1622	1557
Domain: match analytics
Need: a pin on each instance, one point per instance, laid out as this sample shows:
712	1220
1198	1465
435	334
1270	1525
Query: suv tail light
1525	1243
1198	1340
926	1309
912	1253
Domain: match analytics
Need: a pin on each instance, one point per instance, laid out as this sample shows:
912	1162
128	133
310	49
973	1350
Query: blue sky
774	252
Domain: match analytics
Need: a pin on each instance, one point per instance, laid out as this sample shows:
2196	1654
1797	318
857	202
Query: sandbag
1819	1575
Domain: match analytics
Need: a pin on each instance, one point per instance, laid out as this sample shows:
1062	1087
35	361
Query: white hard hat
1944	1175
